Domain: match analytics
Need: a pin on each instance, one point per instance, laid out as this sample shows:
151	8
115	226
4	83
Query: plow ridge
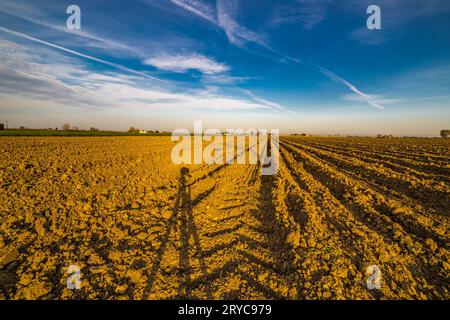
142	229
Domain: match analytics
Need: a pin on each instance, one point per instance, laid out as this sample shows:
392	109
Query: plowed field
140	227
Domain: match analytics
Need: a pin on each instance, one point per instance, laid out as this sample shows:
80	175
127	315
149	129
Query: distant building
2	126
386	136
142	131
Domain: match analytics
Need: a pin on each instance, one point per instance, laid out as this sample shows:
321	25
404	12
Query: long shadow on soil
275	242
182	215
276	236
274	232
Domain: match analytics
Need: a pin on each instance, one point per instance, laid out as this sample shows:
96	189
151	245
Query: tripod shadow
182	221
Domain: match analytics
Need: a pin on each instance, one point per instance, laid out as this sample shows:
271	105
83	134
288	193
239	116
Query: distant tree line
384	136
68	127
137	130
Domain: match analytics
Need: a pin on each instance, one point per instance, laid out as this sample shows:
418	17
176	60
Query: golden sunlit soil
140	227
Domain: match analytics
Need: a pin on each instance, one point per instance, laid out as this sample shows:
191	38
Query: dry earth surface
140	227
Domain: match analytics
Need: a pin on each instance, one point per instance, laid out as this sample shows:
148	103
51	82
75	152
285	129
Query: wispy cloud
270	104
378	99
79	54
224	17
95	41
369	37
239	35
224	79
120	92
183	63
307	13
385	101
334	77
68	82
199	8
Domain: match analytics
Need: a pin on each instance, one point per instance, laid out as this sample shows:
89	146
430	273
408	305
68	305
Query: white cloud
68	83
239	35
79	54
183	63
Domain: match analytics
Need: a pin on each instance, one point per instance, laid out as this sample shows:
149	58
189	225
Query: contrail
191	7
273	105
80	33
340	80
79	54
198	8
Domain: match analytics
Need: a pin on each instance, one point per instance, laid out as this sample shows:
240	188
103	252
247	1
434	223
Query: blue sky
299	65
